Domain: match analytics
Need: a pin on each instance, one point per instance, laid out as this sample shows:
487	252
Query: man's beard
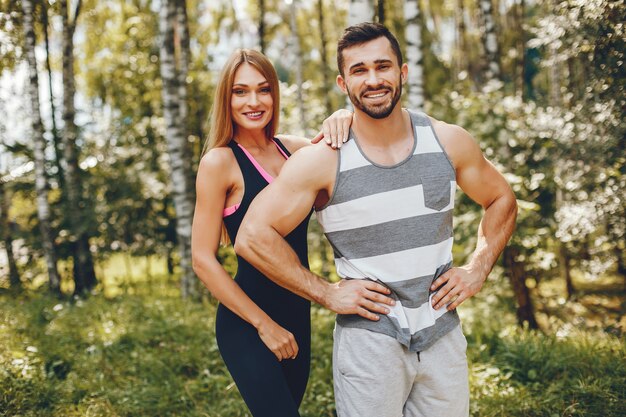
377	111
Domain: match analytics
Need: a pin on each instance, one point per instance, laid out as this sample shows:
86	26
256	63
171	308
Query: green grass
145	352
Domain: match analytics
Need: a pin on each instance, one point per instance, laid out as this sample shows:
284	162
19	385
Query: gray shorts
375	376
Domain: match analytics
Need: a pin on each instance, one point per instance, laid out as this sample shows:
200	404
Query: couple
385	201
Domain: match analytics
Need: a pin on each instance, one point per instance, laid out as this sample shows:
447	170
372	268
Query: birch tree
414	55
176	144
361	11
41	181
489	40
84	273
56	139
182	44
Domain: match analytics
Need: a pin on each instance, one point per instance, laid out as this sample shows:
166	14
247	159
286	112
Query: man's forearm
494	231
268	251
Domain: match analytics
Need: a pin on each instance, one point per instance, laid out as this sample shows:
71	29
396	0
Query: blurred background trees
124	89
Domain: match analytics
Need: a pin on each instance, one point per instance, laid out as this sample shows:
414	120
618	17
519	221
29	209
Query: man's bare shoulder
293	143
319	154
456	141
312	166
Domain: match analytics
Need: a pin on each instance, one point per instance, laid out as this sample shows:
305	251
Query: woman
263	330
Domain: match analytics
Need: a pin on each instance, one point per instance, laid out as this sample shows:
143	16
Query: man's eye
358	71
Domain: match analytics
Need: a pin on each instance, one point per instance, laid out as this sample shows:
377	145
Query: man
385	202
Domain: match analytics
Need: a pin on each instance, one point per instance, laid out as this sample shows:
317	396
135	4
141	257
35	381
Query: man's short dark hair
362	33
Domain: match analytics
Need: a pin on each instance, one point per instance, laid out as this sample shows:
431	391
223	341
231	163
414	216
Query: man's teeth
376	95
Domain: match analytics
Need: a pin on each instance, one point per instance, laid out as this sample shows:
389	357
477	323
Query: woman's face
251	101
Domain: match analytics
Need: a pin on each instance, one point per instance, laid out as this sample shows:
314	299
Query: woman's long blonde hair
222	126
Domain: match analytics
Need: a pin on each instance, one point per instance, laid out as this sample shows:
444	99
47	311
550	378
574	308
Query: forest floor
135	348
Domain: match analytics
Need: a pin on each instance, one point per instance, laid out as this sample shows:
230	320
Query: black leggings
270	388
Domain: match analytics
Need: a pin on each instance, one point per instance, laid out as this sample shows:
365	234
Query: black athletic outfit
270	388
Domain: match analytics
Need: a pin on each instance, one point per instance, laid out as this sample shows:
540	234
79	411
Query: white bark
361	11
176	143
414	55
489	40
183	68
41	182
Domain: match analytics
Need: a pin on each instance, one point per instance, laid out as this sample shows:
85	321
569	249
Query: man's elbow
512	207
247	238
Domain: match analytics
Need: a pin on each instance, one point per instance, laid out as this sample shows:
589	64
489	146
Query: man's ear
404	72
341	83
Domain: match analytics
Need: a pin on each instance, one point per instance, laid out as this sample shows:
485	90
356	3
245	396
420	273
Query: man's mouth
376	94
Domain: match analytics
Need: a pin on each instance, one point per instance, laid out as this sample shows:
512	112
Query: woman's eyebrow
246	85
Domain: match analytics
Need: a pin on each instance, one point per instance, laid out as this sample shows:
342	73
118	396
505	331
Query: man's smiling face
372	77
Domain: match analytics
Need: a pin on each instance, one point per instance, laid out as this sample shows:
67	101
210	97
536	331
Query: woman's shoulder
218	161
217	157
293	142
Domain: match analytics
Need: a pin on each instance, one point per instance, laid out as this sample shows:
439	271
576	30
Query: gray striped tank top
393	225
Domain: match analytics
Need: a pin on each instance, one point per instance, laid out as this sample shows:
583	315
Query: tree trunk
520	71
381	12
516	273
5	229
489	40
84	273
566	270
262	25
55	131
564	257
176	144
41	181
461	49
360	11
326	88
184	54
414	55
295	39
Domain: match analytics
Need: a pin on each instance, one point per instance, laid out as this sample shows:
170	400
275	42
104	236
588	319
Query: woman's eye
239	92
266	90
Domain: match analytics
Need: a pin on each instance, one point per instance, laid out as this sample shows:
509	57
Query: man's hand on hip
455	286
358	296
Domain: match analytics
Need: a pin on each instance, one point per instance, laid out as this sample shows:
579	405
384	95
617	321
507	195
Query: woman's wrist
260	320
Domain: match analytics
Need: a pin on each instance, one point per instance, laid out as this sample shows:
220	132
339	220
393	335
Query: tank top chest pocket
437	191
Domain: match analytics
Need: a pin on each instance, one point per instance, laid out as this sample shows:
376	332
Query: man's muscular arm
276	211
482	182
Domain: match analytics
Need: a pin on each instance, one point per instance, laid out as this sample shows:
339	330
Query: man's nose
372	77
